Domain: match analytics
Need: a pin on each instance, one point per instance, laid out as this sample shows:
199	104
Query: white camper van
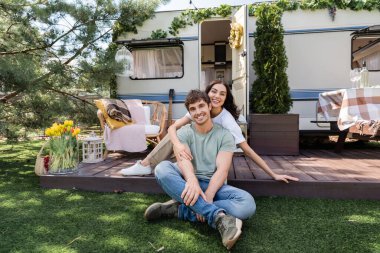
321	52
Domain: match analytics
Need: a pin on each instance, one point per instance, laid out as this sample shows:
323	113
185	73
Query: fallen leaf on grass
157	250
74	240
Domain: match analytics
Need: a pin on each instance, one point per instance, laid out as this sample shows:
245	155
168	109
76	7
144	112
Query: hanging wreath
236	35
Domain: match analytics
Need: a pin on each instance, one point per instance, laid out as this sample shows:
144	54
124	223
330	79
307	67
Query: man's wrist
210	196
192	178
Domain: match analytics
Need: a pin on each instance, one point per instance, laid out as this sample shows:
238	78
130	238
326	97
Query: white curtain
208	74
158	63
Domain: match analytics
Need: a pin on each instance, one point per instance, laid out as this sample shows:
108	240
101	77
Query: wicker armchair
154	130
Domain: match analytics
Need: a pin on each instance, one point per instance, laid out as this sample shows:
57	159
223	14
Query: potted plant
273	130
63	148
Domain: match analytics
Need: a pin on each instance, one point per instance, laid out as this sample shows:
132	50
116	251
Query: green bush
270	91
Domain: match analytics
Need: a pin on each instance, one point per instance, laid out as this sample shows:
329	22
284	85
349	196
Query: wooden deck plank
323	174
102	184
313	168
273	164
88	169
337	168
368	157
241	168
282	166
257	172
362	159
291	170
314	189
350	168
115	171
107	166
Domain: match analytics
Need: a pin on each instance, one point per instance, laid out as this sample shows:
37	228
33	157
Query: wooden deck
352	174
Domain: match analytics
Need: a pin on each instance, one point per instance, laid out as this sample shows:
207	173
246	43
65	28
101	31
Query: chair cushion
152	129
112	123
147	114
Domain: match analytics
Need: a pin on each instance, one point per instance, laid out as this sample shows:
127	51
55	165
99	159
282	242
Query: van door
239	63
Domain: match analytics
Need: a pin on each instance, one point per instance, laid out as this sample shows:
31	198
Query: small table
353	107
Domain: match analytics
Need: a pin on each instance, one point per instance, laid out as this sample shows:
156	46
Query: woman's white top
226	120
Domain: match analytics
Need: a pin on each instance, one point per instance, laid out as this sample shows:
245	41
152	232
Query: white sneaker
136	170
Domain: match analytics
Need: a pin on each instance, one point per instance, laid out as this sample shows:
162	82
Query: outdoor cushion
147	114
152	129
112	123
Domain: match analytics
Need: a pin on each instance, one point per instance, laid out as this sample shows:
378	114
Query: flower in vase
63	146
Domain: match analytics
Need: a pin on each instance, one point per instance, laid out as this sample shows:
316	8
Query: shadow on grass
40	220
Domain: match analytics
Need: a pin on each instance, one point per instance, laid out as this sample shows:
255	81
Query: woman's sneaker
158	210
229	228
136	170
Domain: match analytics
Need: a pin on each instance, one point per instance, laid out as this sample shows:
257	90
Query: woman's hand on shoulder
182	152
285	178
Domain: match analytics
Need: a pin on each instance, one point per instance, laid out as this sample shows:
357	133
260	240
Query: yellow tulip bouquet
63	147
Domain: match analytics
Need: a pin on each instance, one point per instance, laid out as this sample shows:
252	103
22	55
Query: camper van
321	50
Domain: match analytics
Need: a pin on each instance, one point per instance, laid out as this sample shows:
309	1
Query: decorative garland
236	35
291	5
190	17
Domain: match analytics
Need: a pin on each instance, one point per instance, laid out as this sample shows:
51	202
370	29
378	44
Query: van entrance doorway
219	61
216	54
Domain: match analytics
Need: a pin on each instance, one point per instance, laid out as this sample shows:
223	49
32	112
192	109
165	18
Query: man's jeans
228	199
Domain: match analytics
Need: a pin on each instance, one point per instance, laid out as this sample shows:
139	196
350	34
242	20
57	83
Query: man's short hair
194	96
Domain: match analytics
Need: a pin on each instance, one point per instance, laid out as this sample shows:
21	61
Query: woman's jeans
231	200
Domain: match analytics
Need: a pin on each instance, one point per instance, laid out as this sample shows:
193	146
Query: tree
50	50
270	91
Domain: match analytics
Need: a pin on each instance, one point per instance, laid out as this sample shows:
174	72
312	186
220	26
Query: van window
365	47
158	63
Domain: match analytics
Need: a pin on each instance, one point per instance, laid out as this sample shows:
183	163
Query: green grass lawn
39	220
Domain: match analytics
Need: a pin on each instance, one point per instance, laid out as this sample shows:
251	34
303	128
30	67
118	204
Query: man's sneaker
229	228
169	209
136	170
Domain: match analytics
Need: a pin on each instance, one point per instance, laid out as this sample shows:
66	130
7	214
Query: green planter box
274	134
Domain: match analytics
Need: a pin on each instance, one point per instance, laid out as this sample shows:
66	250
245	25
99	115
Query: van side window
158	62
365	47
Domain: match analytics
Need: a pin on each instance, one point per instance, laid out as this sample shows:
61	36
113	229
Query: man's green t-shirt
205	147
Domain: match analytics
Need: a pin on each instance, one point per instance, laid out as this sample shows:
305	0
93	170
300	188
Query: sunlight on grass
10	203
185	236
49	248
376	246
24	194
118	242
55	193
41	229
33	202
74	197
363	219
111	218
3	196
66	213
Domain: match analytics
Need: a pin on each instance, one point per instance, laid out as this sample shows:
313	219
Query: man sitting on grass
198	187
